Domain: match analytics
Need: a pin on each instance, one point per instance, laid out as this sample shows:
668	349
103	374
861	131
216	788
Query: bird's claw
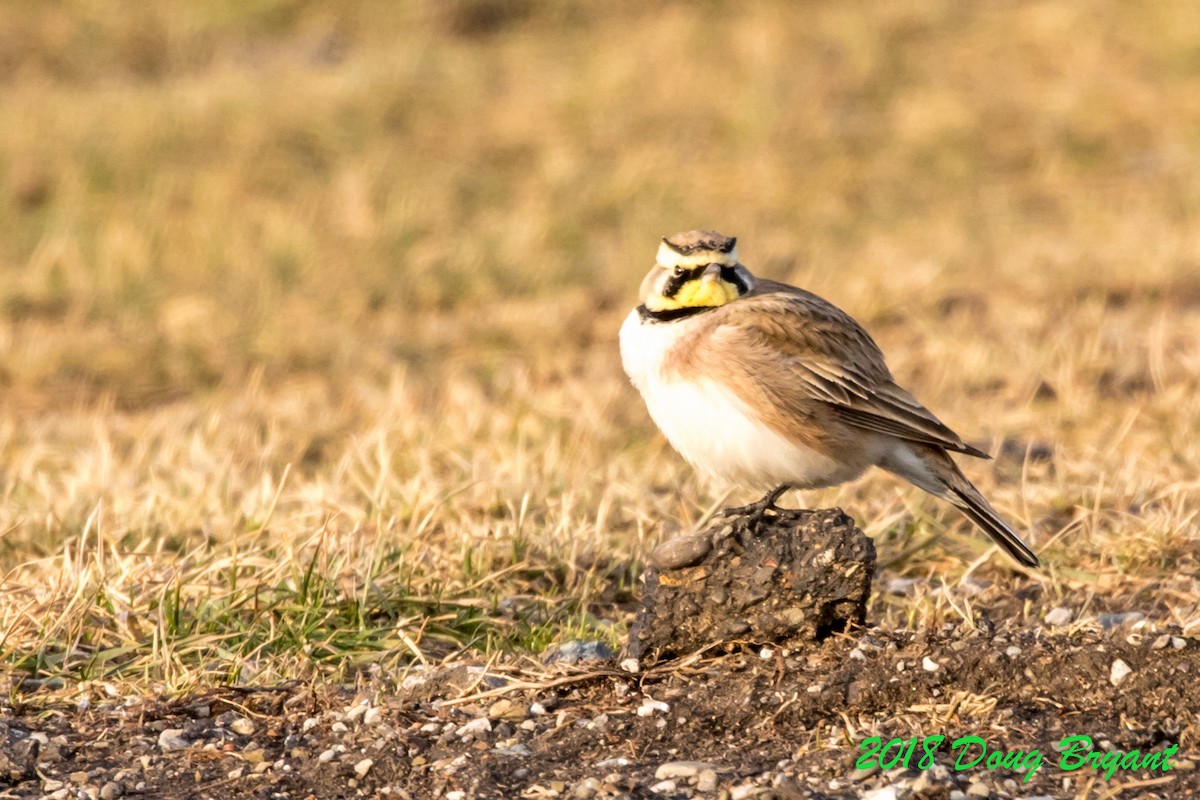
756	511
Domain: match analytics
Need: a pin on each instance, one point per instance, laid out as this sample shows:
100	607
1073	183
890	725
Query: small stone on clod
1120	671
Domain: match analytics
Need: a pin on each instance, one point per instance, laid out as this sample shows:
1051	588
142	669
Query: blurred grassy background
306	289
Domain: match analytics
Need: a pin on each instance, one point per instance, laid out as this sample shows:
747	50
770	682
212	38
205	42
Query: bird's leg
757	510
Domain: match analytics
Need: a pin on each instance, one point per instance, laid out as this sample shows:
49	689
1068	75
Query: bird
767	386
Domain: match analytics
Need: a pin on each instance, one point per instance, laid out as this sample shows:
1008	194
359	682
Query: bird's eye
678	271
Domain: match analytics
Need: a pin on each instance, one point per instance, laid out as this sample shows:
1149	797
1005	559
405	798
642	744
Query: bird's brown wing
797	348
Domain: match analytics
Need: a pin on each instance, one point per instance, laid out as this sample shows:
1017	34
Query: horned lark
764	385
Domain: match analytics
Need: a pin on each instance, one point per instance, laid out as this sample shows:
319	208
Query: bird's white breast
710	426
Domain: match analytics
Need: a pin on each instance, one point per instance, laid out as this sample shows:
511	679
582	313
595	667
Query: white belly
712	427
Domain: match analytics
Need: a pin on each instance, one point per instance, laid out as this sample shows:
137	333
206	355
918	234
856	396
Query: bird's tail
932	469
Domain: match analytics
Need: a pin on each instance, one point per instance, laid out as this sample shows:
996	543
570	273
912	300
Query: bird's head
695	270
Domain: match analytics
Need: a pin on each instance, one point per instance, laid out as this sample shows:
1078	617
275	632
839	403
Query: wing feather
802	348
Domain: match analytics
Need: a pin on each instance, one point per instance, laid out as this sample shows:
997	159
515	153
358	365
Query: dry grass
309	318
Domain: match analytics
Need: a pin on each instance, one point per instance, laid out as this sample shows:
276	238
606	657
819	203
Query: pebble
339	727
1120	671
650	705
1057	617
475	727
456	795
325	757
578	652
516	750
372	716
309	724
681	769
363	767
1117	620
242	726
706	781
882	793
681	551
929	665
78	777
663	787
630	665
1012	651
504	709
172	739
857	655
978	789
111	791
587	788
863	774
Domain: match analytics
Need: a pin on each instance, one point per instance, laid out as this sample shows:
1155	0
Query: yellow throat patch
700	292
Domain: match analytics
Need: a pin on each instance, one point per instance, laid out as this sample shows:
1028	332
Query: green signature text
969	752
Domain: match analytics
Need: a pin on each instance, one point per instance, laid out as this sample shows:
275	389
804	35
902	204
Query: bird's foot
759	509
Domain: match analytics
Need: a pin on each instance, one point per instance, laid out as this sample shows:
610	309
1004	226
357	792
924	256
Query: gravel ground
763	723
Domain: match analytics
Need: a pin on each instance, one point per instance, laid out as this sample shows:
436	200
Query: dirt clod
792	576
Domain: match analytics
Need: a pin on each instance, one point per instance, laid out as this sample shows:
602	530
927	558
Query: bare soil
769	723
